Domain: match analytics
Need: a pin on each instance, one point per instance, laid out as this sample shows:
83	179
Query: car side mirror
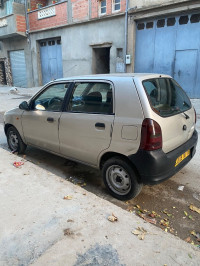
24	106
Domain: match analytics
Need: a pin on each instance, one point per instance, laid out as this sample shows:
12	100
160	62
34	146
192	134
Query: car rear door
86	126
173	111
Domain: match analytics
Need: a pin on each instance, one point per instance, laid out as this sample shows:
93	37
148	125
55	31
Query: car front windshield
166	97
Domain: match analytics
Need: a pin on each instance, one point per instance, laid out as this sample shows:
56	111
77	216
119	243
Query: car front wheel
120	179
14	140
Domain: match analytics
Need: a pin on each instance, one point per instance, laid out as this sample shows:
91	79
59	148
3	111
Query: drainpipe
28	36
126	31
27	20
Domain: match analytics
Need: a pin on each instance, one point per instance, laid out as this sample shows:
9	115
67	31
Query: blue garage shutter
171	46
18	68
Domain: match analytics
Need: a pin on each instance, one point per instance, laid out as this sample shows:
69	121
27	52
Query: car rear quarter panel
128	118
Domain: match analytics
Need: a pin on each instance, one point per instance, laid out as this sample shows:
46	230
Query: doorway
101	60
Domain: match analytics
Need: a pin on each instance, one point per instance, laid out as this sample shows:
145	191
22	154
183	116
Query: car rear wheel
120	179
14	140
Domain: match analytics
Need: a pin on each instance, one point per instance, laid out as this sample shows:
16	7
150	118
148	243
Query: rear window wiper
186	116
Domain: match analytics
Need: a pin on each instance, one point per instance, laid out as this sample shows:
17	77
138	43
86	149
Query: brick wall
80	10
21	23
95	8
109	7
59	19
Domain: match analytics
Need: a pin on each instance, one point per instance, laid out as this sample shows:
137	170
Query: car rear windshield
166	97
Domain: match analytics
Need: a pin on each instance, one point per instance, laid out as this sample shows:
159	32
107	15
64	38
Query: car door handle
100	125
50	119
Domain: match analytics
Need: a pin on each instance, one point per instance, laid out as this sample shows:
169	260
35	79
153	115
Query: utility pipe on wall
126	31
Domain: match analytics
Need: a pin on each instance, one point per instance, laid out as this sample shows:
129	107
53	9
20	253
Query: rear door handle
50	119
100	125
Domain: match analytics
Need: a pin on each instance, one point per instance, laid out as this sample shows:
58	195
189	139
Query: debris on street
194	208
196	196
18	164
140	232
112	218
149	220
68	197
68	232
196	234
181	188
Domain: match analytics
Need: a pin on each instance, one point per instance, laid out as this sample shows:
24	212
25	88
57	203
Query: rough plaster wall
13	44
76	41
149	3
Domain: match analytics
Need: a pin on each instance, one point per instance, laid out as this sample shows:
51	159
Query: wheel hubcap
13	140
118	179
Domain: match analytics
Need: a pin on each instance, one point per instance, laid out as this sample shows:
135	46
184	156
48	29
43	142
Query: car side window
92	97
52	98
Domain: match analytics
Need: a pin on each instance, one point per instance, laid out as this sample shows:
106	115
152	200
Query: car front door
40	124
86	125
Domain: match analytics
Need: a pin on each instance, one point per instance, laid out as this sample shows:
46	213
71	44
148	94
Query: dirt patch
170	208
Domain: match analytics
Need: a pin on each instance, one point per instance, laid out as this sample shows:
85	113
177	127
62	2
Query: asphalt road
164	205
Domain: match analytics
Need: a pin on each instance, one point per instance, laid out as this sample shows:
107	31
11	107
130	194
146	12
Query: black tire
15	141
120	179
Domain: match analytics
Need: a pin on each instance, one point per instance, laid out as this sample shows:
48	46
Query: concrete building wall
77	45
151	3
14	44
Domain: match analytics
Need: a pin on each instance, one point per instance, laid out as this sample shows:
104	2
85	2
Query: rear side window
166	97
92	97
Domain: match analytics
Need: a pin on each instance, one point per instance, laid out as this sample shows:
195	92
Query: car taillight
195	116
151	135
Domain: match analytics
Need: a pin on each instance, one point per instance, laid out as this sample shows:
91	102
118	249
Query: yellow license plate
182	157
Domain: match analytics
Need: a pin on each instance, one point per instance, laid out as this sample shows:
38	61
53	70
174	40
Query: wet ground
162	205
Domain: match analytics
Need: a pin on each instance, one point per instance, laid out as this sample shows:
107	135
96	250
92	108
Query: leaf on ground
186	214
112	218
190	217
68	197
188	239
68	232
149	220
194	208
140	232
189	255
165	223
196	234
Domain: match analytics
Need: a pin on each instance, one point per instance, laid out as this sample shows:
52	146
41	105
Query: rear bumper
157	166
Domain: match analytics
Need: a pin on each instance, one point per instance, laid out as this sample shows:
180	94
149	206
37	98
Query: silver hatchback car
137	128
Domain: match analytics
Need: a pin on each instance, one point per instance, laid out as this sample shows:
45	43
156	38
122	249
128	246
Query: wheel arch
108	155
6	127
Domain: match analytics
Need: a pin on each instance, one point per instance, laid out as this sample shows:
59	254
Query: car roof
113	76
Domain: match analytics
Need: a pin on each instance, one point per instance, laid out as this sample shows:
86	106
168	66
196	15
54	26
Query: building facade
164	37
76	37
53	39
14	50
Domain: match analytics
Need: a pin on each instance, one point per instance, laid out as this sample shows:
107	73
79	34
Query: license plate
182	157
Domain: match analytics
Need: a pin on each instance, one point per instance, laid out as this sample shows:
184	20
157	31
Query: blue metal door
171	46
18	68
51	60
185	72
